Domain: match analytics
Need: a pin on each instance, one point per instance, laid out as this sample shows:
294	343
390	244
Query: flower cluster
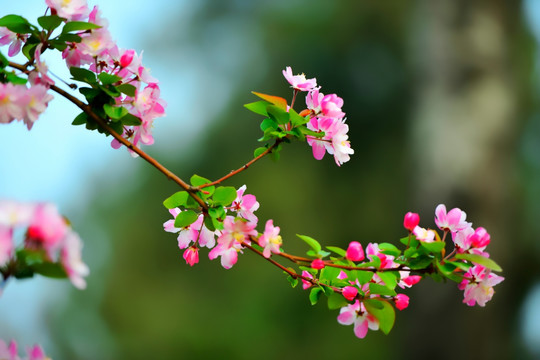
325	116
18	102
48	241
10	352
238	230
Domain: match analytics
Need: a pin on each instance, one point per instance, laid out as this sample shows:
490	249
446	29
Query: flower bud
411	220
349	292
317	264
127	58
355	252
402	301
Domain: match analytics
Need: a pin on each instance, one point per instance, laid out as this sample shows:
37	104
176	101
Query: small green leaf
81	119
306	131
447	269
381	290
14	79
337	250
16	23
50	22
185	218
268	124
83	75
69	38
292	280
258	107
176	200
197	180
224	195
389	249
115	112
314	295
314	244
78	26
51	270
127	89
434	247
217	213
109	90
108	79
479	259
3	61
386	315
336	301
390	278
329	274
258	151
130	120
420	262
276	100
297	120
209	223
278	114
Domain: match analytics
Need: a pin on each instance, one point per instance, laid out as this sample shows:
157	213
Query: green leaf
258	107
336	301
3	61
268	124
278	114
337	250
110	90
390	278
209	223
434	247
80	119
49	269
224	195
363	276
306	131
292	280
296	119
14	79
276	100
386	315
58	45
217	213
197	180
389	249
130	120
83	75
176	200
50	22
29	49
315	294
16	23
314	244
381	290
78	26
258	151
69	38
127	89
329	274
420	262
108	79
447	269
115	112
479	259
185	218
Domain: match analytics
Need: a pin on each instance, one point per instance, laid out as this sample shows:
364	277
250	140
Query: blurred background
442	103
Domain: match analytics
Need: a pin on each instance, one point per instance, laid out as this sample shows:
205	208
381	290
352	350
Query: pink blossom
197	232
425	235
191	255
401	301
350	292
234	234
35	102
334	140
47	228
306	284
169	224
39	76
36	353
69	9
452	221
313	101
478	285
387	261
127	58
6	244
270	240
8	352
299	82
245	205
331	106
317	264
355	252
357	314
15	40
411	220
406	280
70	257
11	102
15	214
341	147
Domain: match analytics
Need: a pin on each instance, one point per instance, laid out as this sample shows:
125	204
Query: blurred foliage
146	303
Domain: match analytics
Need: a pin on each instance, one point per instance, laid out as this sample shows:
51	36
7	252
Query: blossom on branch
299	82
270	240
357	314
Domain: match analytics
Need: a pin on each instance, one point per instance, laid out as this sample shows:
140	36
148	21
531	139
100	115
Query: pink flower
478	285
8	352
35	102
16	40
15	214
355	252
317	264
334	140
425	235
387	261
197	232
299	82
191	255
11	102
230	242
127	58
406	280
331	106
36	353
306	284
356	314
270	240
47	228
40	75
245	205
69	9
452	221
70	257
342	275
350	292
401	301
411	220
6	244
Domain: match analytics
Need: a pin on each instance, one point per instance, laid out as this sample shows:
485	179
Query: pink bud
317	264
355	252
191	255
127	58
306	284
402	301
411	220
349	292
